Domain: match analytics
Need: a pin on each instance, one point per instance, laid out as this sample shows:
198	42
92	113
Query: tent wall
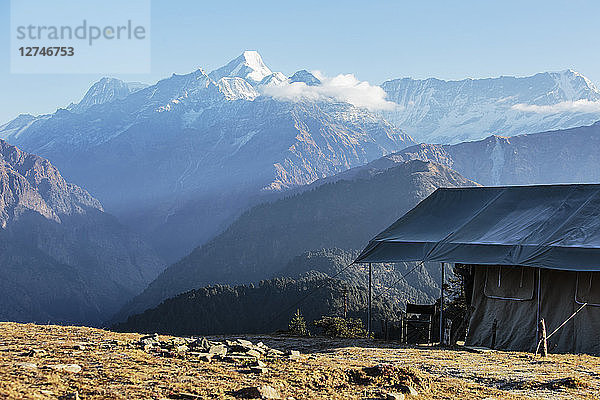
517	319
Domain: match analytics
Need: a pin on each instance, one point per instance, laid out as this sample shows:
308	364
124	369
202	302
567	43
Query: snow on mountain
237	88
306	77
104	91
276	78
248	66
437	111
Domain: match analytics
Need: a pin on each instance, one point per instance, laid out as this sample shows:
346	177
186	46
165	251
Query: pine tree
297	325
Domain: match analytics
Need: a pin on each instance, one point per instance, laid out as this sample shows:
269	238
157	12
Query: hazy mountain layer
562	156
262	241
62	259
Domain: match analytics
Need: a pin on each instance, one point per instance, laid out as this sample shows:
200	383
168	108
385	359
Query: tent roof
547	226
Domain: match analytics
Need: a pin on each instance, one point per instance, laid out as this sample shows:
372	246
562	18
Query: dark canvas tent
534	252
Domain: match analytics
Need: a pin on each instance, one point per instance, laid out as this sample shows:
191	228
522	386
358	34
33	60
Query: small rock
153	337
258	392
408	390
253	353
187	396
218	350
202	356
70	396
294	353
259	363
181	348
200	343
238	358
33	353
394	396
26	365
71	368
259	370
246	343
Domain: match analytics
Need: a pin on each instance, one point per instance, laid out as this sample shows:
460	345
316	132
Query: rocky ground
55	362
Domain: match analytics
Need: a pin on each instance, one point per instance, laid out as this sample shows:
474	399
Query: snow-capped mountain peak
249	65
306	77
105	90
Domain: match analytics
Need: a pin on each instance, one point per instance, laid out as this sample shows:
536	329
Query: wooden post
345	291
442	306
494	330
544	349
387	332
429	330
370	298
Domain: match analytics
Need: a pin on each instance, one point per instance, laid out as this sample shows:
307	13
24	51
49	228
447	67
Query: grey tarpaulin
546	226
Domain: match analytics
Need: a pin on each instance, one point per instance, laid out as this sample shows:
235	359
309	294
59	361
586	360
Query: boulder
71	368
218	350
394	396
258	392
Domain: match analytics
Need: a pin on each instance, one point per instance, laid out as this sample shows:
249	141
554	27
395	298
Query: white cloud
344	88
584	106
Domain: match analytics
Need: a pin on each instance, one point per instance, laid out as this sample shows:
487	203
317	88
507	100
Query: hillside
399	282
345	215
265	307
62	258
47	362
561	156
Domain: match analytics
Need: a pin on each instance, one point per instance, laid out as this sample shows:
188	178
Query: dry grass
330	369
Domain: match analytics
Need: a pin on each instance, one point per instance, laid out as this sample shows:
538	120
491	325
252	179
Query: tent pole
539	304
442	306
370	298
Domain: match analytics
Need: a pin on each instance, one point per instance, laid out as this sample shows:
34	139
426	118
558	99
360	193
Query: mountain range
62	258
449	112
243	174
178	160
561	156
193	151
344	215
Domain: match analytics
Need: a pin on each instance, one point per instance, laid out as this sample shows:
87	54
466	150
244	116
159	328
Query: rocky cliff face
31	183
62	258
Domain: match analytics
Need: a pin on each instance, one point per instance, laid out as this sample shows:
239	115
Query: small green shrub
341	327
297	326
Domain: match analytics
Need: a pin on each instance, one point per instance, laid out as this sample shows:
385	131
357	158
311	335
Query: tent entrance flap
588	288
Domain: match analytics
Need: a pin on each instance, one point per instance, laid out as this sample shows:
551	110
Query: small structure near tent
533	253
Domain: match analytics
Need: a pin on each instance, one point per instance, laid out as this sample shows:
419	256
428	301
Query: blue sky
374	40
